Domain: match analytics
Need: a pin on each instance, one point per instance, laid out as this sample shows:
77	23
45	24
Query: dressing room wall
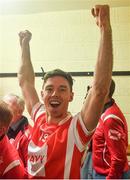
67	40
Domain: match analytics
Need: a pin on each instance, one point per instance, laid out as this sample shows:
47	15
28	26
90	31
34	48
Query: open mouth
55	103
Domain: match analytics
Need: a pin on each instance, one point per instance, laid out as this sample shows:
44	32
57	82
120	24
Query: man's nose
55	93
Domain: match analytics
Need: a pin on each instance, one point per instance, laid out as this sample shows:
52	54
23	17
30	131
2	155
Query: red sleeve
15	173
37	111
115	141
23	149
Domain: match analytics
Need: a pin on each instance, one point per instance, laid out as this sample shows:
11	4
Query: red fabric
9	155
110	142
55	151
21	144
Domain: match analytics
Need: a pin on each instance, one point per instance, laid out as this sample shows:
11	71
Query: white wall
67	40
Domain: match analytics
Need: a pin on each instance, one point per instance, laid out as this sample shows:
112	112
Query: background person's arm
115	137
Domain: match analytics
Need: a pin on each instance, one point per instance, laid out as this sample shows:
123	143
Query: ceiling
38	6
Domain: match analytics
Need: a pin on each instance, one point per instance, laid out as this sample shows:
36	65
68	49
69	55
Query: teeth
55	102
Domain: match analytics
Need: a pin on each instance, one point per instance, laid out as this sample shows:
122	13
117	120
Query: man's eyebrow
48	86
64	86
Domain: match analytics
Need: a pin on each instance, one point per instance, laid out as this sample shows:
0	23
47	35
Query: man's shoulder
37	111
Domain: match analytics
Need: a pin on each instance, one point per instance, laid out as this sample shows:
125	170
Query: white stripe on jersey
78	141
69	150
11	166
73	139
104	152
112	116
84	127
37	110
77	138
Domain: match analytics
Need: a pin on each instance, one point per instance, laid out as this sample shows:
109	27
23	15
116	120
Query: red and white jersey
55	151
21	144
110	142
10	164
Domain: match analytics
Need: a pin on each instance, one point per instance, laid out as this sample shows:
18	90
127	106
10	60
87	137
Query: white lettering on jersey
44	133
114	134
43	137
37	159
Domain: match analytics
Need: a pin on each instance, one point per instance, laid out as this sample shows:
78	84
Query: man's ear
71	96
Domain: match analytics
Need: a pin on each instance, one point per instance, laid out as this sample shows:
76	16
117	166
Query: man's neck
108	104
56	119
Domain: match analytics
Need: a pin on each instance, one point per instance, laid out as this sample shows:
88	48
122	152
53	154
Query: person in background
58	139
19	128
110	141
19	122
10	163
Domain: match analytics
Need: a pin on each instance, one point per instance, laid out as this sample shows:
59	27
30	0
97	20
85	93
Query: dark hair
59	72
112	88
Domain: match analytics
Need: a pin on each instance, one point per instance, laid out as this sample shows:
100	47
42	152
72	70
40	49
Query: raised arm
26	74
94	102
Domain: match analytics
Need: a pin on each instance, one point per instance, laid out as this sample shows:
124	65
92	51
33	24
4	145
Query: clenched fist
24	37
102	15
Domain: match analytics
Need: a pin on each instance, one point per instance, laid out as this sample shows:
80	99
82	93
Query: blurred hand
24	37
102	15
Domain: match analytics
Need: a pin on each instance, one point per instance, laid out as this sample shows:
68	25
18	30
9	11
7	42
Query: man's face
56	95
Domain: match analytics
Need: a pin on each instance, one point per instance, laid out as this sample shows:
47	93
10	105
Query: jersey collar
65	119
